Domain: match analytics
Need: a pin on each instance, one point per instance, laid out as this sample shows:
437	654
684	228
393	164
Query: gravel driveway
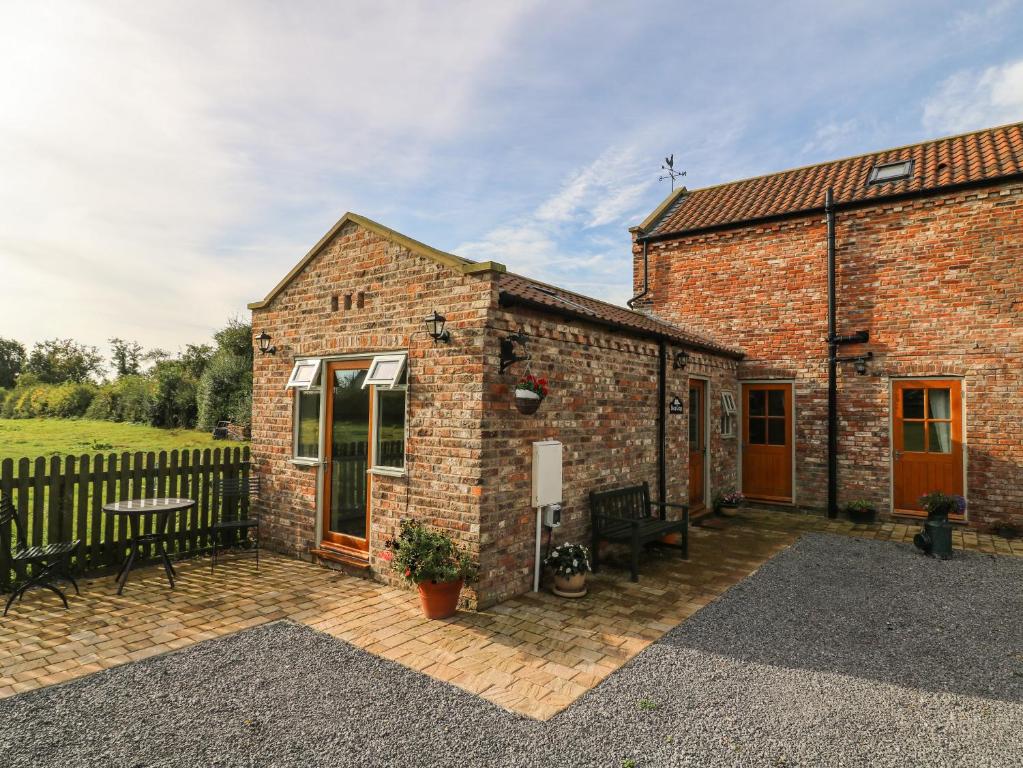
838	652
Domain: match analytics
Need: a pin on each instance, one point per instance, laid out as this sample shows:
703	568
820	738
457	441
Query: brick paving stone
534	654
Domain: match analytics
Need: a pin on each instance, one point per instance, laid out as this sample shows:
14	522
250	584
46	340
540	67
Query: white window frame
296	421
383	470
385	381
295	383
728	415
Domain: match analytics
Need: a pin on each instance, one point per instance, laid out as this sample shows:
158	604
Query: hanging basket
527	401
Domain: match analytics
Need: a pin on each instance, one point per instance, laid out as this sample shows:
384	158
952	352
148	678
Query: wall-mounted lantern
859	362
264	344
435	327
681	360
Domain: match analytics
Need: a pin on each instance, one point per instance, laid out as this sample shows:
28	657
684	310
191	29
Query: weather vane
669	166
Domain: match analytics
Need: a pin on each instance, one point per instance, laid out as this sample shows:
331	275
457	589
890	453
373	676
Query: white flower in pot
570	563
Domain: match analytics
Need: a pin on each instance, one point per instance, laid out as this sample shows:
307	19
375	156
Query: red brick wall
602	407
939	284
469	451
444	480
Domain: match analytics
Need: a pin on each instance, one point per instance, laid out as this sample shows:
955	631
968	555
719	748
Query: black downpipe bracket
662	394
829	212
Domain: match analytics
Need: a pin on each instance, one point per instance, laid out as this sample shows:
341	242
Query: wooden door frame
741	427
964	457
350	545
706	437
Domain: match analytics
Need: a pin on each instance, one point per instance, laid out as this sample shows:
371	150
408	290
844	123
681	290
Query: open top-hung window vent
305	374
897	171
385	371
728	414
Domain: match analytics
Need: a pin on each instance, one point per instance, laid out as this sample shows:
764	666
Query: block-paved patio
532	655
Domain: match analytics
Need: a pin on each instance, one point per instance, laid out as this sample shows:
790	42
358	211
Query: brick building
719	380
929	261
361	418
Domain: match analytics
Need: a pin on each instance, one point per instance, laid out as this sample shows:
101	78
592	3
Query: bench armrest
663	505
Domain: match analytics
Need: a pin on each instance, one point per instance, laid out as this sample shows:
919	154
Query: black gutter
506	300
846	206
662	427
829	212
646	279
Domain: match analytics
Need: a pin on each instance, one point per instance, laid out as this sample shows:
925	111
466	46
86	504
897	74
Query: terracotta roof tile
542	296
973	157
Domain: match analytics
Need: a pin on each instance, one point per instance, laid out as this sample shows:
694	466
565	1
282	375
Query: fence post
6	530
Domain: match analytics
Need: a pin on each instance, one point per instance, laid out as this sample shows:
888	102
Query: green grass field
30	438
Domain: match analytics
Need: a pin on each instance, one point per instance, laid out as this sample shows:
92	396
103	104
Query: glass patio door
348	439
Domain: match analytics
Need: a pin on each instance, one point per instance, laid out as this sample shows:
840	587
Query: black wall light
681	360
264	344
435	327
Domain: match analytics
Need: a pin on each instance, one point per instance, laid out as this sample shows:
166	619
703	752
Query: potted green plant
940	505
529	393
432	561
861	511
570	563
727	504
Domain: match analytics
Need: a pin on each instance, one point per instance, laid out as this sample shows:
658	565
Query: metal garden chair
49	562
238	521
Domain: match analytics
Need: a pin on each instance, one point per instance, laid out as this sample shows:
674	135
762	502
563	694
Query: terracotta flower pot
527	401
570	586
728	510
440	599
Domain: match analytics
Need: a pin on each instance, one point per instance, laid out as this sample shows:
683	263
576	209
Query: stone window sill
304	462
387	472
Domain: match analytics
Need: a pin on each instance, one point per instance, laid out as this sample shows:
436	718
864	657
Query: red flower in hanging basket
532	384
529	393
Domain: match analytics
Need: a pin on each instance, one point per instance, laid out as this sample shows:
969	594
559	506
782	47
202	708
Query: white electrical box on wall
546	473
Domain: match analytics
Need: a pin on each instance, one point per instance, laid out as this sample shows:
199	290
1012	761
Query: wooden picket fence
62	499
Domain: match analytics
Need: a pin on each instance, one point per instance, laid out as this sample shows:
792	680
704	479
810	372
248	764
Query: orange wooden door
697	444
767	441
927	440
347	483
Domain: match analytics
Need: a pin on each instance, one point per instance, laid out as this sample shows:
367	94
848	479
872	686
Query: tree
12	360
235	338
195	358
225	387
58	360
127	356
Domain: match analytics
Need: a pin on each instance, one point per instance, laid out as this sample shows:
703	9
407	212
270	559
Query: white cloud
829	136
148	150
968	100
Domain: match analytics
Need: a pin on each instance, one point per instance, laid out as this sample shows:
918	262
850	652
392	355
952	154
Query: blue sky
165	163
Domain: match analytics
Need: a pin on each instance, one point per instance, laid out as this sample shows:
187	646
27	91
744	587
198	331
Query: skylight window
899	171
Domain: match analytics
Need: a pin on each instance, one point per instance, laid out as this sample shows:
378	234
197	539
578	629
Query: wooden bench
627	515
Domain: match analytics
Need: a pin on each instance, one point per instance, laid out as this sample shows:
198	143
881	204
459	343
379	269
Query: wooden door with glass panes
767	442
927	441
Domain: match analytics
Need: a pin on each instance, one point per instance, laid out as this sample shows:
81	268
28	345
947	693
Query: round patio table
136	510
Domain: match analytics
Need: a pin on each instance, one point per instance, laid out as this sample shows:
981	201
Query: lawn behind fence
30	438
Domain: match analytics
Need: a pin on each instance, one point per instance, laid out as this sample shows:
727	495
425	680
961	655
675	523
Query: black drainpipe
829	212
662	393
646	281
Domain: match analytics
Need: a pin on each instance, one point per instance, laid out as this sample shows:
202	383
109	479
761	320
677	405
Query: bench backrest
630	503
